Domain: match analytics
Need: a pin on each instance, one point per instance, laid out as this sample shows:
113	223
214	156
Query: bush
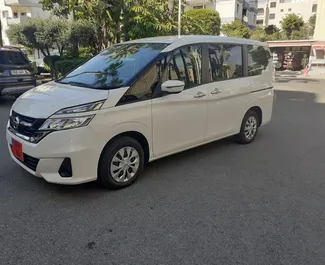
64	66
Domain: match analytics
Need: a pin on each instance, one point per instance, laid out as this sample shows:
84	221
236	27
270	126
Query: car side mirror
172	86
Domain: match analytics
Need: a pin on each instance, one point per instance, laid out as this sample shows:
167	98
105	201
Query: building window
5	14
281	10
259	22
254	18
260	11
289	10
314	8
273	4
272	16
258	59
226	62
15	15
23	14
197	7
237	8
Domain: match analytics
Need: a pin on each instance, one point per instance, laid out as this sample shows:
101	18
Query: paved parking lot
218	204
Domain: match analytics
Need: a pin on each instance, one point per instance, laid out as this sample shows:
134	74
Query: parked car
16	72
140	101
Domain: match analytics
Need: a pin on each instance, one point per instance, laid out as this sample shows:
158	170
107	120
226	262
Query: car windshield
114	67
9	57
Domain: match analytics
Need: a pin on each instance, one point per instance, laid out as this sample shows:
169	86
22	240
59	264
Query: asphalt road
218	204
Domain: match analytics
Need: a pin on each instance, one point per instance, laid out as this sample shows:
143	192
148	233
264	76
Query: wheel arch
259	113
138	136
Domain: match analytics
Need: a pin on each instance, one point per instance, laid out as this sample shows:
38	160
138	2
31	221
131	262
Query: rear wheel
249	128
121	163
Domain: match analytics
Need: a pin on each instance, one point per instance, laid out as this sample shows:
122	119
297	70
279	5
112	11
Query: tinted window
12	58
186	65
258	59
144	87
226	61
115	66
273	4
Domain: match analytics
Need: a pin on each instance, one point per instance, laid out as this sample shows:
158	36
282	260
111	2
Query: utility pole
179	17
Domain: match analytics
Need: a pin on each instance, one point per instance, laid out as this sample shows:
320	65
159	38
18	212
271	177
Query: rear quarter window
258	59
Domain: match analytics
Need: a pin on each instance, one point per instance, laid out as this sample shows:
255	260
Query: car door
179	120
227	91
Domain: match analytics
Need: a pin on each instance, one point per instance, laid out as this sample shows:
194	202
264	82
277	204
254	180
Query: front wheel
121	163
249	128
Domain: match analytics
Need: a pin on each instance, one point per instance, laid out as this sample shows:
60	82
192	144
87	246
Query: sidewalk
313	74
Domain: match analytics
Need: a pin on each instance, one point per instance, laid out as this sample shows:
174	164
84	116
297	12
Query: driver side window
186	65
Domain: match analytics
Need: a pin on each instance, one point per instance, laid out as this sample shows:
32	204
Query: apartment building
271	12
229	10
18	11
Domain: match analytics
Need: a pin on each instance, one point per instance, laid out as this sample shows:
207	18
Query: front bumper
82	145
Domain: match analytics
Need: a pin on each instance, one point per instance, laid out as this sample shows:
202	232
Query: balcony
18	2
22	19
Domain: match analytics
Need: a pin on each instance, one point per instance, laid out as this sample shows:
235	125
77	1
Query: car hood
44	100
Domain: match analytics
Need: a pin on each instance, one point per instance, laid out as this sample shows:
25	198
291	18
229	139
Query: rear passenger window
186	65
226	61
258	59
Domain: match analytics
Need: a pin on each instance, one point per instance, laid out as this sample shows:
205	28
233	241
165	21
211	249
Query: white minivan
139	101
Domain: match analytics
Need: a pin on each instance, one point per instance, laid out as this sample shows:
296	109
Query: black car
16	72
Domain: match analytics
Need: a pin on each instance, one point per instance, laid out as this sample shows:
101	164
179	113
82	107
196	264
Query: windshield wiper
74	83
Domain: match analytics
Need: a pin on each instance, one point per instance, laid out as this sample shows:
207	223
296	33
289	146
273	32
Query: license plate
18	72
17	150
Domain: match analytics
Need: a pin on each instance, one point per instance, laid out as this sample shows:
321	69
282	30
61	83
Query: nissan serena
139	101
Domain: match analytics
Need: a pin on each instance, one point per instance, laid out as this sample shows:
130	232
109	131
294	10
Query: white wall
302	8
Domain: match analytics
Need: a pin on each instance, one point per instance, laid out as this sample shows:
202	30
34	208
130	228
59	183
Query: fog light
65	170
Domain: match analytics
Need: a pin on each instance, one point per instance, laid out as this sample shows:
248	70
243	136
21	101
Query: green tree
201	22
259	34
58	8
149	18
265	34
292	23
271	29
48	34
236	29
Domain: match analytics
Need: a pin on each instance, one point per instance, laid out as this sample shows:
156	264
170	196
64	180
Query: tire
244	137
121	163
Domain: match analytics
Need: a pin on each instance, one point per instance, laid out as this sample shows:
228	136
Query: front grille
30	162
24	125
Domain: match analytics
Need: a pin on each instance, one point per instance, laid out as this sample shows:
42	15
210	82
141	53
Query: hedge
66	65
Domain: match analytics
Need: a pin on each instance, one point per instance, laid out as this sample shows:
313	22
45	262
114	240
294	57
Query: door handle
216	91
199	95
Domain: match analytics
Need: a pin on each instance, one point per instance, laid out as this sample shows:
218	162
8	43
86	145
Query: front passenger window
145	86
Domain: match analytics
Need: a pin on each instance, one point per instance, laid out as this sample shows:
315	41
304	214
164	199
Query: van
139	101
16	72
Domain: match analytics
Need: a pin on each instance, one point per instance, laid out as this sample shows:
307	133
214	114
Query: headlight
56	124
81	108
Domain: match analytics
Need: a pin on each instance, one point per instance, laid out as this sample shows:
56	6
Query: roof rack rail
11	47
